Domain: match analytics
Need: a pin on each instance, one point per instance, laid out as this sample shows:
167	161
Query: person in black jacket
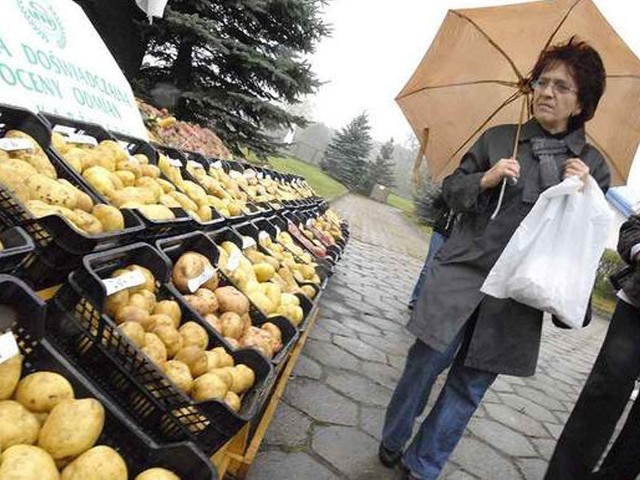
608	388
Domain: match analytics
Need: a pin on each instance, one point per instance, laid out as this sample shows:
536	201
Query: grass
603	304
322	184
404	204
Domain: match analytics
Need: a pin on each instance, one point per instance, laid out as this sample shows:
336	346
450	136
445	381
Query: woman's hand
575	166
506	167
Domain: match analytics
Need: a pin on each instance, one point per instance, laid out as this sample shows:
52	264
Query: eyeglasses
557	86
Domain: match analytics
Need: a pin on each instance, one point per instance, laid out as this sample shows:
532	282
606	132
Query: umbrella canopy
474	73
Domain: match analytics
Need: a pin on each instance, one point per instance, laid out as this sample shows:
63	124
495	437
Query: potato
150	171
231	299
154	349
208	296
233	401
264	272
41	391
170	337
157	474
50	191
86	222
243	379
226	360
214	322
10	372
208	387
232	342
110	217
199	304
166	186
232	325
133	314
225	374
179	374
195	358
127	178
262	301
150	184
150	281
26	462
158	320
17	425
275	333
194	334
143	299
186	203
97	463
259	339
100	179
189	266
73	426
134	331
116	301
170	308
156	212
83	201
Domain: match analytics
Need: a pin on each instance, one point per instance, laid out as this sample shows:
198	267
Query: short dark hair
586	68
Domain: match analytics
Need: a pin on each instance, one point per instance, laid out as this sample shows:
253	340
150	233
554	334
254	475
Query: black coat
629	279
506	337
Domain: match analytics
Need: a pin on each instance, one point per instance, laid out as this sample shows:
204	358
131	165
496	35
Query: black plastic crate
18	246
120	432
92	339
202	243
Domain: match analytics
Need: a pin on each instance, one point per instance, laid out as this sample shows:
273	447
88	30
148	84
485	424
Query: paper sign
234	260
11	144
217	165
130	279
52	60
248	242
193	164
64	130
81	139
174	162
262	235
196	282
8	347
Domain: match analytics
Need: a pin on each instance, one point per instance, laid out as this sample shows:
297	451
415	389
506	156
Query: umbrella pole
511	180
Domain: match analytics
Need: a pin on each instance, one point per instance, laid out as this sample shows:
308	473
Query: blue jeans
441	431
437	239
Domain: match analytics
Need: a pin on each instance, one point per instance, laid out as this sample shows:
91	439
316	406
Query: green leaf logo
44	20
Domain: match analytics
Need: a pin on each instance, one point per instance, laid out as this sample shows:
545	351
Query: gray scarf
551	154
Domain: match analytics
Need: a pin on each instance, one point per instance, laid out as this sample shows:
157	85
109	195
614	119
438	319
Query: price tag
300	226
260	175
81	139
248	242
249	173
235	174
130	279
196	282
309	222
193	164
268	177
8	347
262	235
12	144
217	164
234	260
174	162
64	130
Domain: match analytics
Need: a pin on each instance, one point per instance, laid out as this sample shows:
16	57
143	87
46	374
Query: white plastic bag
551	260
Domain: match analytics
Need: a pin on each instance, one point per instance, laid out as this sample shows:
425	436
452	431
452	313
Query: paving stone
339	308
331	355
381	374
484	461
501	385
554	429
288	428
532	468
459	475
397	361
502	438
360	327
358	388
383	324
372	420
319	333
544	446
352	452
360	349
320	402
336	326
540	398
306	367
516	420
274	464
524	405
491	397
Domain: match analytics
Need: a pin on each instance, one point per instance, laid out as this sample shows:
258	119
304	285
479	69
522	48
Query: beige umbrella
473	76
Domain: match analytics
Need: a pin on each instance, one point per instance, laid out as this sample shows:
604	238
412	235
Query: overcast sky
376	45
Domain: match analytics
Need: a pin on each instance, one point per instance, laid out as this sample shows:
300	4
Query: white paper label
249	173
300	226
262	235
124	145
268	177
174	162
260	175
234	260
234	174
309	222
8	347
217	164
81	139
248	242
64	130
130	279
193	164
196	282
11	144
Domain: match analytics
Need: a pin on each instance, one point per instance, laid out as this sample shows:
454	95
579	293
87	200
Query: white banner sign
53	60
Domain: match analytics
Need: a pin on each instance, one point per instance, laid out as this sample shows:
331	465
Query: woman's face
555	98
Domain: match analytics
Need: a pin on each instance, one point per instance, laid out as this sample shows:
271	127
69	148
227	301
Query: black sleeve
629	237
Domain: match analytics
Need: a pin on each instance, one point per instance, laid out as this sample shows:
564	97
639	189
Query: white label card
249	173
64	130
174	162
193	164
217	164
260	175
268	177
234	260
248	242
8	347
262	235
12	144
81	139
309	222
130	279
196	282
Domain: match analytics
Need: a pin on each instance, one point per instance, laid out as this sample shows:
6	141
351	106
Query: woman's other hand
575	166
506	167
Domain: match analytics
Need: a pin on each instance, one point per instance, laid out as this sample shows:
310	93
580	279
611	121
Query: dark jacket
629	278
506	336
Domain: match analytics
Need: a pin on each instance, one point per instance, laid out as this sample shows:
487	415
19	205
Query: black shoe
406	473
410	306
389	458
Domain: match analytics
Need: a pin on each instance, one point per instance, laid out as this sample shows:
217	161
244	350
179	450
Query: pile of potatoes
177	347
224	193
328	224
225	308
285	239
32	179
302	272
48	434
259	283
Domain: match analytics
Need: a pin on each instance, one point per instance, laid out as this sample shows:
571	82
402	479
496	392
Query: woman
606	392
455	323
